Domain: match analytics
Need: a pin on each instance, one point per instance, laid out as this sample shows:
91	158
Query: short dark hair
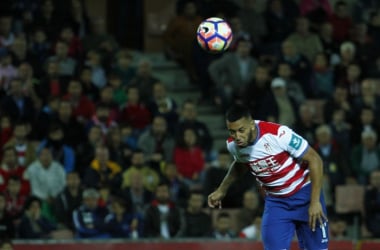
237	111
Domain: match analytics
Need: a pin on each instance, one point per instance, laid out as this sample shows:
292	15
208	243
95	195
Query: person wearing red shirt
189	158
135	112
83	108
341	22
9	167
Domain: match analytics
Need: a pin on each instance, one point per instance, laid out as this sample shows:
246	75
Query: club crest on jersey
295	142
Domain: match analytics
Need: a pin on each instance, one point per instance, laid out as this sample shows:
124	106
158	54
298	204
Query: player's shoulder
267	127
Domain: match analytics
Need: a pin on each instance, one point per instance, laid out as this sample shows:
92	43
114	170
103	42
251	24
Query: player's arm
316	176
235	172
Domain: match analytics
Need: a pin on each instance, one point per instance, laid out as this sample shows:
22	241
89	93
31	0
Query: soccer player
289	173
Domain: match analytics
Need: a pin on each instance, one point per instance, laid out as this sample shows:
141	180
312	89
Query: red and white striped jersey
274	158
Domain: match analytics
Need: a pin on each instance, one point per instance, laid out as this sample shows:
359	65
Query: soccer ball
214	35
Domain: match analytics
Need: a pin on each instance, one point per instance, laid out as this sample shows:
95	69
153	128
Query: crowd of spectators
93	145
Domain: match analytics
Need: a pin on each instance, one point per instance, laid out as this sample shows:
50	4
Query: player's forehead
241	123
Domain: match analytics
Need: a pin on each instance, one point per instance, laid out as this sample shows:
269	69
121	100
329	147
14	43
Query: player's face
242	131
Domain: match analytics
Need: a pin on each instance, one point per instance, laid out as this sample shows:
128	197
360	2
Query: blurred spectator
372	204
306	125
51	83
335	165
294	89
107	99
238	31
102	118
251	209
5	130
306	42
316	11
99	39
73	131
366	49
124	68
163	219
301	66
189	158
83	108
253	22
279	21
374	27
6	34
21	54
189	119
365	157
179	37
119	94
279	106
222	228
8	71
68	200
135	111
151	177
338	100
121	222
347	55
129	138
329	45
25	148
47	177
47	18
9	168
144	79
322	76
365	119
15	198
367	96
66	65
255	91
88	219
61	152
78	18
157	142
85	150
34	225
198	223
341	21
163	104
94	61
136	195
338	228
341	130
29	82
16	104
7	229
117	147
352	81
102	171
231	72
75	48
40	47
89	88
179	191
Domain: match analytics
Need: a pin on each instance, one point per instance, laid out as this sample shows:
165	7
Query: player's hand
316	215
215	199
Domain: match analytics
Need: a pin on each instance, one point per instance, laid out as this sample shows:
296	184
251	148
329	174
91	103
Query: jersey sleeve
291	142
232	151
